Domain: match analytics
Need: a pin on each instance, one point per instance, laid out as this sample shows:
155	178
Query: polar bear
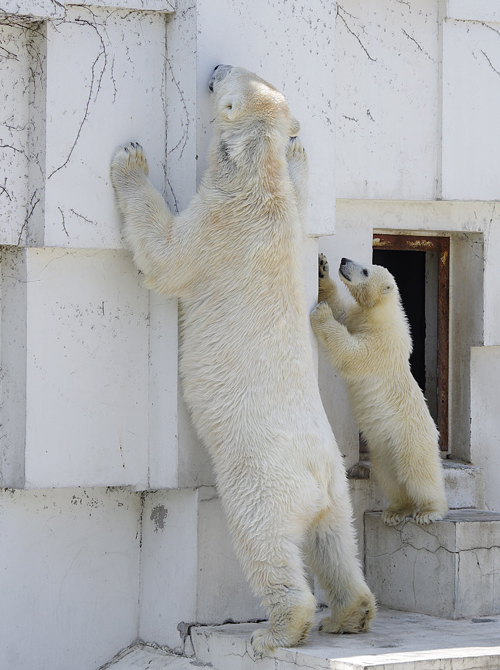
233	257
368	342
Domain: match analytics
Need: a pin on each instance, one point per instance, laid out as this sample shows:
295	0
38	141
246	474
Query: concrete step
144	657
450	568
464	485
397	641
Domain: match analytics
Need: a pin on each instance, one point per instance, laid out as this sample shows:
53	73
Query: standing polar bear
233	257
368	342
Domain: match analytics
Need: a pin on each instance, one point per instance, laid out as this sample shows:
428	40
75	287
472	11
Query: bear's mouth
344	274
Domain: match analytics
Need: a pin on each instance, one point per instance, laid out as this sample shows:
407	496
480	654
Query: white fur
234	259
368	341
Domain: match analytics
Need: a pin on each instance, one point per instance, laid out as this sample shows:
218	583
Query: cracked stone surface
459	556
398	640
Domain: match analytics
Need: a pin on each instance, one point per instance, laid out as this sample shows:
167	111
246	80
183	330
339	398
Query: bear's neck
246	166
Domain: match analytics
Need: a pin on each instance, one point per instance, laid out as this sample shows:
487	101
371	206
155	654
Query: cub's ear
232	107
387	288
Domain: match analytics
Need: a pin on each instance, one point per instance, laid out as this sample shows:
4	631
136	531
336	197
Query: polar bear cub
368	342
233	257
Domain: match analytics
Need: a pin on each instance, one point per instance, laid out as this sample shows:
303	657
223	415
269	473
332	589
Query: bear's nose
344	261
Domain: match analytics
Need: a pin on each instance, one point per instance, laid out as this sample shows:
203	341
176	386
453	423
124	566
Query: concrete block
169	562
387	84
464	485
459	556
471	93
189	571
223	592
69	577
485	418
75	375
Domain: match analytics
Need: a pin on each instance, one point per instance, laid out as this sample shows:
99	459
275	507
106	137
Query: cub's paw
320	314
424	517
323	267
392	517
128	161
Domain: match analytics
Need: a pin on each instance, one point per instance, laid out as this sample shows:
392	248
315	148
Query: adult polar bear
234	260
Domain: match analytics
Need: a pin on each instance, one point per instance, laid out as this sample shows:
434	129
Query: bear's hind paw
354	619
425	517
392	517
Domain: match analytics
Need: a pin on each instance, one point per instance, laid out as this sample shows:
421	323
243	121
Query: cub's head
246	105
369	285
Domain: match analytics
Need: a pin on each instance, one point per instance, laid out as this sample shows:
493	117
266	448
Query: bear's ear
294	127
232	107
387	288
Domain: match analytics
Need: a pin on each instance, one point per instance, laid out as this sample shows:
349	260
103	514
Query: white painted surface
85	356
105	87
471	94
229	33
387	104
473	10
69	573
14	96
485	424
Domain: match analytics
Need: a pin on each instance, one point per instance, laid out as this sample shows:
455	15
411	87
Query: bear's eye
365	272
229	106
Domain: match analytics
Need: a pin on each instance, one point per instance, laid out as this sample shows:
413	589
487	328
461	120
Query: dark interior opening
408	269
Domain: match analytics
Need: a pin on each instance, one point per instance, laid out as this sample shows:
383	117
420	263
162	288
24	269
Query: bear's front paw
295	151
128	161
323	267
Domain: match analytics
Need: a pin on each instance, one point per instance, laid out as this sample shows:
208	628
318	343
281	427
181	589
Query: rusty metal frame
440	245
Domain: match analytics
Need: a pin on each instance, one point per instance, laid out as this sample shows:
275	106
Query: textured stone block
449	569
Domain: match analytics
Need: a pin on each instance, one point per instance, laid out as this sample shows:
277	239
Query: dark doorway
408	269
420	266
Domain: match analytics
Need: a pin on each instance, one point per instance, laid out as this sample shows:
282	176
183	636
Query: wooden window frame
440	245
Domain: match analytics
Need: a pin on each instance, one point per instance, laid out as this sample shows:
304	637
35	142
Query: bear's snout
218	74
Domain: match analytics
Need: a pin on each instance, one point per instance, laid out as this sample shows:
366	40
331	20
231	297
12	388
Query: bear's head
249	114
369	285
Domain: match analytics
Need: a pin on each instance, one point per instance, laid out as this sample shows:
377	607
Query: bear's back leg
331	553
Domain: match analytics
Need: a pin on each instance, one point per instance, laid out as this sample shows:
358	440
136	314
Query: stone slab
149	658
459	557
397	641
